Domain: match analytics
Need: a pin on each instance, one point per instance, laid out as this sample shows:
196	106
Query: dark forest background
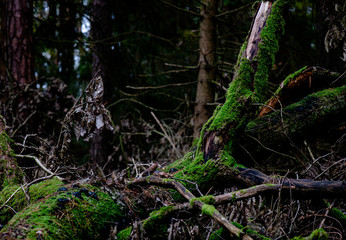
147	53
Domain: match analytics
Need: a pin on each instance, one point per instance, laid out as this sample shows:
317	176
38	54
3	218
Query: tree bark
17	43
101	62
67	17
17	70
207	65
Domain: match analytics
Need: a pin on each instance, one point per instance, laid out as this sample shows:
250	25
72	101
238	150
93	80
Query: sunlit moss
208	209
209	199
124	234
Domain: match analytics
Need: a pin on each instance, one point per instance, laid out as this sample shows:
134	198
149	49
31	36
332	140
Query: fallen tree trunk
277	130
300	84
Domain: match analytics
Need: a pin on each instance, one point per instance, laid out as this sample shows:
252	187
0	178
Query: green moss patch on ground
82	212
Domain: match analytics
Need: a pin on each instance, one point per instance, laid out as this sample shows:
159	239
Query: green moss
208	209
19	200
336	213
5	140
268	47
247	230
124	234
194	169
209	199
312	100
61	215
219	234
155	225
289	78
318	234
238	94
10	172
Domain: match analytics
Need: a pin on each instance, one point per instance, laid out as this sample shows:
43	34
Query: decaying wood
295	121
300	188
258	25
308	81
214	140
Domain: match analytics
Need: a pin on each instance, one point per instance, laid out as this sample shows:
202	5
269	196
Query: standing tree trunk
67	16
17	69
16	28
207	65
101	31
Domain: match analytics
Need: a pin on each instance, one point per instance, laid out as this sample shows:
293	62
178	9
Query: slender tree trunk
16	28
207	65
101	30
67	16
17	69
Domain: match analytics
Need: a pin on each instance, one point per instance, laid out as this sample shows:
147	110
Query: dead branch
161	86
300	188
39	164
180	9
206	208
300	84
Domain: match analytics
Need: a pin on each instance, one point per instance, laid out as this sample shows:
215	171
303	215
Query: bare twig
162	86
269	149
246	193
163	73
182	66
234	10
38	163
166	135
326	214
26	195
336	163
23	123
181	9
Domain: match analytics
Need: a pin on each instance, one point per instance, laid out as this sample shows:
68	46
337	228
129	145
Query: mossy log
296	121
53	210
303	82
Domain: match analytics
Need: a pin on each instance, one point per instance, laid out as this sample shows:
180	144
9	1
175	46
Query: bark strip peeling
258	25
